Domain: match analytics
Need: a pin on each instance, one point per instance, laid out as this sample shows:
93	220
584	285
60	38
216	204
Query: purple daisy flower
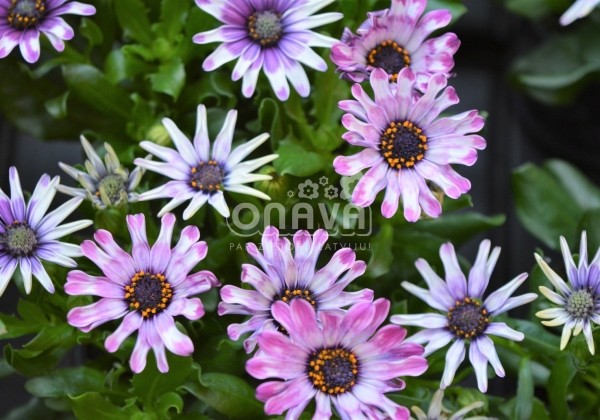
147	288
466	317
407	146
199	175
395	38
21	22
578	300
274	35
342	360
28	235
285	277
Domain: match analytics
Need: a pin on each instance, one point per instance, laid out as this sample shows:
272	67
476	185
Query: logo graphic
334	212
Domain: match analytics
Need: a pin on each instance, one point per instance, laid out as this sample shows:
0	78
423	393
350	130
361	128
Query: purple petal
454	357
457	283
173	339
131	322
88	317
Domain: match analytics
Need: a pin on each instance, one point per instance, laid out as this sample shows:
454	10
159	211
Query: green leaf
580	189
295	160
33	409
590	222
57	107
169	79
150	384
561	376
544	206
227	394
540	341
91	31
173	15
536	9
133	17
459	228
381	252
66	382
92	406
524	405
169	401
61	335
456	7
92	87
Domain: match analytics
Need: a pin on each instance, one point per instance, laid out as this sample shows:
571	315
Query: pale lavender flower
578	300
273	35
345	360
147	289
285	277
22	21
103	184
466	317
395	38
406	144
579	9
29	236
199	175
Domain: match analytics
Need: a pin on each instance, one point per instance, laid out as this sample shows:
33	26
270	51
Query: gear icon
348	183
290	193
324	180
331	192
308	189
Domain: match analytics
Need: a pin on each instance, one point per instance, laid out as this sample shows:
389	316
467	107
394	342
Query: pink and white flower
345	360
285	278
22	21
147	289
395	38
407	146
273	35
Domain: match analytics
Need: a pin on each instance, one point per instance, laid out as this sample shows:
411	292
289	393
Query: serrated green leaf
289	162
227	394
92	406
133	18
92	87
66	382
169	79
173	15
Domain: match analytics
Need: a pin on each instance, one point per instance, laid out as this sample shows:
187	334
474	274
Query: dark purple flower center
581	304
19	239
467	318
332	370
403	144
113	186
390	57
265	27
207	176
148	293
23	14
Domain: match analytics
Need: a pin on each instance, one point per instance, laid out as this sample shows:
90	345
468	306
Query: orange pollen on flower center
389	56
333	370
403	144
148	293
467	318
23	14
207	176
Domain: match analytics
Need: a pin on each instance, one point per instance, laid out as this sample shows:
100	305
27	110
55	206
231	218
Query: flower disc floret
24	14
333	370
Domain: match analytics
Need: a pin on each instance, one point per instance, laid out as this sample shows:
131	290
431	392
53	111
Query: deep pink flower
344	360
395	38
407	145
147	289
285	277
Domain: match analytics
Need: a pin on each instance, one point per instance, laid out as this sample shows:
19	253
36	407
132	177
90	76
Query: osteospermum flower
104	185
147	289
285	277
396	38
199	175
274	35
578	300
344	360
437	411
22	21
466	317
579	9
29	236
407	146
